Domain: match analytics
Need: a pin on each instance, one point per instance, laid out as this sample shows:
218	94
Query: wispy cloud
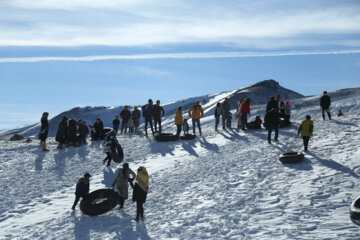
255	24
189	55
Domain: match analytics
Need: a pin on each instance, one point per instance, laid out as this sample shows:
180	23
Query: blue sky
56	55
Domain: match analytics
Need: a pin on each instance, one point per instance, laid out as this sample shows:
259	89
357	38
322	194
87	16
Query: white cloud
137	23
190	55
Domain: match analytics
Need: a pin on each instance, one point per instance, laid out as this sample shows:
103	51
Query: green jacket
121	181
306	128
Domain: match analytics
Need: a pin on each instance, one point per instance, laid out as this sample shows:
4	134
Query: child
141	189
185	126
306	129
131	125
109	144
82	188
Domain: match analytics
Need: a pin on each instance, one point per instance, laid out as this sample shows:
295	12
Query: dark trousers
217	120
139	209
116	128
270	128
124	125
306	142
121	202
327	110
178	131
243	120
77	198
108	157
148	120
157	121
83	139
198	123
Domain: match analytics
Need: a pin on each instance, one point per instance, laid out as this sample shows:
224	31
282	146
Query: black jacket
139	195
272	118
83	130
325	101
116	122
82	187
158	110
61	132
148	111
44	128
125	115
135	115
99	127
272	104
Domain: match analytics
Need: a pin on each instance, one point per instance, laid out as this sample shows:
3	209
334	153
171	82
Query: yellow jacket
306	128
196	112
178	117
142	179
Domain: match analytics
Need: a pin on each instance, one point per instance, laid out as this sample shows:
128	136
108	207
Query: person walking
272	123
111	145
116	124
306	129
140	191
61	133
135	115
148	113
121	181
196	112
44	130
158	113
125	115
325	103
82	188
178	120
217	114
226	115
245	111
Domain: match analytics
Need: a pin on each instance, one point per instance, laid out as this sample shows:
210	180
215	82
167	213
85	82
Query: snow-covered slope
223	185
259	94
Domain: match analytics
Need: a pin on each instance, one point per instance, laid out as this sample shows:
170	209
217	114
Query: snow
222	185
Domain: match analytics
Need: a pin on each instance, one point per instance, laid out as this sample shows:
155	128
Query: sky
56	55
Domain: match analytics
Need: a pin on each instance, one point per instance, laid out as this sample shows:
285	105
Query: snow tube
166	137
355	211
291	157
117	154
188	137
99	201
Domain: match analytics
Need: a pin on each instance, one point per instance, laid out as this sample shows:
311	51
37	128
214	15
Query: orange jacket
178	117
196	114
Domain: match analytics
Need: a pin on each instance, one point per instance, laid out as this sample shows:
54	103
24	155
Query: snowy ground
223	185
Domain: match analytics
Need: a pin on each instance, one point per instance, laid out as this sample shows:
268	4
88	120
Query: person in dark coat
148	113
72	131
83	132
272	104
44	130
61	133
325	103
98	130
141	189
125	115
217	114
272	123
82	188
226	115
116	123
158	113
136	118
112	148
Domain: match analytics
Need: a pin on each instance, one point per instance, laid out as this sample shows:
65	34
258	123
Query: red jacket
245	108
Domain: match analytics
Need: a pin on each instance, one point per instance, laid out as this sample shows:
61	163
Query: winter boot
329	115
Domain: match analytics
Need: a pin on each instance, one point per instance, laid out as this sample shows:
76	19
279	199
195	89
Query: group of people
71	132
123	177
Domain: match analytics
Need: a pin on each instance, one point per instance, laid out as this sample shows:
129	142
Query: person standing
61	133
272	123
306	129
217	114
148	113
238	113
44	130
158	113
116	123
178	120
125	115
98	129
325	103
196	112
121	181
83	132
140	191
82	188
136	118
287	111
226	115
272	104
245	111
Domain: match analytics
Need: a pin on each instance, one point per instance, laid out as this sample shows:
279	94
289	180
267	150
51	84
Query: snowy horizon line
186	55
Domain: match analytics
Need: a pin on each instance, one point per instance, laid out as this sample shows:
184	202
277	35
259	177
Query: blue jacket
82	187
